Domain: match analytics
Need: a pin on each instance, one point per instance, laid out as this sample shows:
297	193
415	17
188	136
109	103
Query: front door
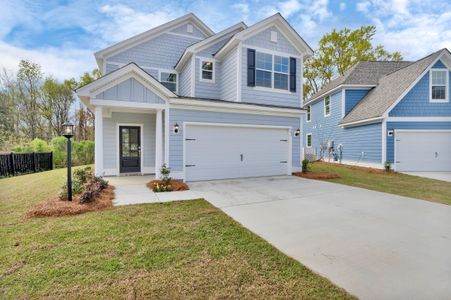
130	149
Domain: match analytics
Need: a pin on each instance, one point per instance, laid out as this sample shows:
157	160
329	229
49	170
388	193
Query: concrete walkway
375	245
444	176
133	190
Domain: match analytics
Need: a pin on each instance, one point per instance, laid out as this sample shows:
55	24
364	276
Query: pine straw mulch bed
358	168
177	185
321	175
54	207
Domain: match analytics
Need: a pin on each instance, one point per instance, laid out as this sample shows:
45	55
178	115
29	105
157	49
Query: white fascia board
341	86
418	119
276	20
139	38
232	107
363	122
127	104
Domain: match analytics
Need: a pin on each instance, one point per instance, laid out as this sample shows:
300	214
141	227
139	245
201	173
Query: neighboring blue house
209	105
398	112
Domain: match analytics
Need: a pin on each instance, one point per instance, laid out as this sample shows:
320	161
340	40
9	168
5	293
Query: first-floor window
309	140
169	80
207	70
439	85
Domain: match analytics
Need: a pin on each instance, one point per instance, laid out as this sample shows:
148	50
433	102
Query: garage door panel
216	152
423	151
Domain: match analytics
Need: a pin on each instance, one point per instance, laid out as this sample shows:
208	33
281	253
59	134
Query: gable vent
274	36
189	28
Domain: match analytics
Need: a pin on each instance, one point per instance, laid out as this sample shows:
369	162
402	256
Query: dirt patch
177	185
321	175
358	168
54	207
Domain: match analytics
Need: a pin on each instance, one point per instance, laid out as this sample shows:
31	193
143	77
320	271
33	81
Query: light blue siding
152	72
267	96
416	102
185	80
161	52
208	52
439	65
229	76
207	89
180	116
111	67
183	29
130	90
263	40
363	143
410	125
111	133
352	98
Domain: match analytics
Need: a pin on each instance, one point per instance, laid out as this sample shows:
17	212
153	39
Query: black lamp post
68	132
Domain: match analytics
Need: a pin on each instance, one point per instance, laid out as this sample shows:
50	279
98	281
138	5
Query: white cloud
342	6
243	8
363	6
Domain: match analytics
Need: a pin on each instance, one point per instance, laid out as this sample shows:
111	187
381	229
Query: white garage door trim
288	128
396	131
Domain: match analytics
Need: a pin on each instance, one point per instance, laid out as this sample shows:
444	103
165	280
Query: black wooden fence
21	163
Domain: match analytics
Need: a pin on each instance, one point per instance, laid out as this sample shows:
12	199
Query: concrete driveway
375	245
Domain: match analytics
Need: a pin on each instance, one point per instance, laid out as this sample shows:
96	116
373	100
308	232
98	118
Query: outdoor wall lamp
176	128
297	132
68	132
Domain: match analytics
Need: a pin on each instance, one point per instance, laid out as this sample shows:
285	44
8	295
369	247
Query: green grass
174	250
394	183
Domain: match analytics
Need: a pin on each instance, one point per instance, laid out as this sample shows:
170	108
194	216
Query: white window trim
308	117
446	100
311	140
201	60
272	88
330	108
176	79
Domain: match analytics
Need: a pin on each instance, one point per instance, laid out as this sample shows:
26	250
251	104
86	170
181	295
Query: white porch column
158	143
166	136
98	135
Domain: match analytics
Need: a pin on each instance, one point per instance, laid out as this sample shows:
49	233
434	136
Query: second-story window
169	80
309	113
439	86
207	71
327	106
271	71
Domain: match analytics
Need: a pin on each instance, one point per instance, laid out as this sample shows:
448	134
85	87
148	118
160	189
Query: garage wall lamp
176	128
297	132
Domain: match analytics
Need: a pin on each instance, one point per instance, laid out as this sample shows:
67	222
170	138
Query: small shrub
387	166
93	189
83	175
305	166
77	188
165	185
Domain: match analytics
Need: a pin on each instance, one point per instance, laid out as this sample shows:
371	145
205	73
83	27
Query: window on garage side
327	106
309	140
439	85
309	113
169	80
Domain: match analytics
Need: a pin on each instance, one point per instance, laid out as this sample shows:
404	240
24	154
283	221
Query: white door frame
396	131
290	138
118	154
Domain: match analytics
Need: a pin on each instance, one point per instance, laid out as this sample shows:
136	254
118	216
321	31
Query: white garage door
423	150
219	152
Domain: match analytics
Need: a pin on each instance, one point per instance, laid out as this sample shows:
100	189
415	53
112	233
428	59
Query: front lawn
395	183
174	250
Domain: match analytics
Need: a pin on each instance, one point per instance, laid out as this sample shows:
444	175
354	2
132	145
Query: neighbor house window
207	70
169	80
327	106
309	140
271	71
309	113
439	85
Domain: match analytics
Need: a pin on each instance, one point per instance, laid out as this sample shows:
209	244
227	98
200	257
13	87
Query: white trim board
418	119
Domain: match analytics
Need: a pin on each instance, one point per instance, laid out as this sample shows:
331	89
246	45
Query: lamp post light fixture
68	132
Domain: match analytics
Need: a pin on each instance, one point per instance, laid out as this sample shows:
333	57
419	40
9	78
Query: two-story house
377	112
209	105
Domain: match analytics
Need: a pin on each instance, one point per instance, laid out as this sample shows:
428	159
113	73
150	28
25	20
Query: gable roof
365	74
149	34
129	70
208	41
276	20
391	88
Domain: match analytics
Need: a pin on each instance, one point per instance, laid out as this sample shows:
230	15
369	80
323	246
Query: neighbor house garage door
229	151
423	150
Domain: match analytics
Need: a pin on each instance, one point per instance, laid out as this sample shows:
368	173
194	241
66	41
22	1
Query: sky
63	35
